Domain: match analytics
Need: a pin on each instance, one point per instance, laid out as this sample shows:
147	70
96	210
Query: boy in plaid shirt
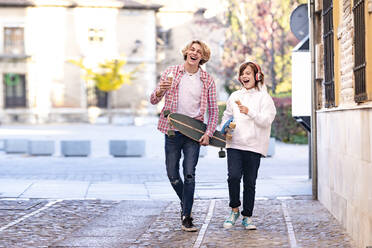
188	90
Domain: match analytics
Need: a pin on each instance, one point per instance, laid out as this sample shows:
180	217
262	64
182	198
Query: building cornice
120	4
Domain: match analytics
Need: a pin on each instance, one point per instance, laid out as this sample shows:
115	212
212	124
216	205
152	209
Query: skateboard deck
194	129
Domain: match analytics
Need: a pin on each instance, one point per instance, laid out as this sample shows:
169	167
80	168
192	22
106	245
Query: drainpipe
313	134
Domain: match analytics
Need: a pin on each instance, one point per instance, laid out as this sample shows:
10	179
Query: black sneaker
187	224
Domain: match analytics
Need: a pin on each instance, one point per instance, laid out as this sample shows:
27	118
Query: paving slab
272	227
14	188
57	189
117	191
42	226
289	222
119	227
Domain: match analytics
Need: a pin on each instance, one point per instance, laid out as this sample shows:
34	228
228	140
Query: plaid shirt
208	99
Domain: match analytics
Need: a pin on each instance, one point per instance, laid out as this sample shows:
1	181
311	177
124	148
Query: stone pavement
286	222
101	201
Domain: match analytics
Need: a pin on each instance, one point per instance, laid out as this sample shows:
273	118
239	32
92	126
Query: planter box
127	148
16	146
41	147
75	148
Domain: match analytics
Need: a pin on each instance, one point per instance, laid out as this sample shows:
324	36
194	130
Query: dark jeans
242	163
184	189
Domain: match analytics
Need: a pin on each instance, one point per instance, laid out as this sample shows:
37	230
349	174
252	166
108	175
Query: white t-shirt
189	94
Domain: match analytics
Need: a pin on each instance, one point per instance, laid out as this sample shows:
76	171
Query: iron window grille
15	90
14	40
359	53
328	53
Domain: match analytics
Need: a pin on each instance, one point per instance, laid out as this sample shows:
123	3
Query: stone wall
345	36
344	142
345	169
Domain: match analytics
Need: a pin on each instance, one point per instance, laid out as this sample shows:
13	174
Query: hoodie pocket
245	132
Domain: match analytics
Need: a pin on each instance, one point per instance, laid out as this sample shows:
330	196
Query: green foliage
259	30
12	79
221	109
285	128
281	94
109	75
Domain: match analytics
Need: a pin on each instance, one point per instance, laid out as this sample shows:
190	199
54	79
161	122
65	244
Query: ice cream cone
170	77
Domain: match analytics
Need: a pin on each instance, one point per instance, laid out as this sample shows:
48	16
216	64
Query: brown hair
256	69
206	52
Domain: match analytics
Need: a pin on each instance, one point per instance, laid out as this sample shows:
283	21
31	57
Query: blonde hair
206	52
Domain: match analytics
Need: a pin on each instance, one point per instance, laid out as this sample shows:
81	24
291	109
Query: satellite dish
299	22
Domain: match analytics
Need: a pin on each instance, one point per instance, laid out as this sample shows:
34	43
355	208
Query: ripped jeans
184	189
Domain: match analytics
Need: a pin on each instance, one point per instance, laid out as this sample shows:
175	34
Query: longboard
195	129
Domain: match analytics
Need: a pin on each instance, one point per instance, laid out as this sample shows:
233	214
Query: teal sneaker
230	221
248	223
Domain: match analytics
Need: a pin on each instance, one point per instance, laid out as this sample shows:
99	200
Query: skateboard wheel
232	125
222	154
171	133
166	113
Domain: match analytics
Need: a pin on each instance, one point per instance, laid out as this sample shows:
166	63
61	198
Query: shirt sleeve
212	110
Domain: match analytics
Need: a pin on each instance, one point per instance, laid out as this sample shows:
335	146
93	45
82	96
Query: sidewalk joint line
24	191
147	189
203	229
29	215
87	191
288	222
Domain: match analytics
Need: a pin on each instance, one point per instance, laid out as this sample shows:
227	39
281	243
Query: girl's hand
243	109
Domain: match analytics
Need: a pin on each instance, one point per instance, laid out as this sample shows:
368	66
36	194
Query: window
359	53
328	53
96	97
14	40
96	35
15	90
163	37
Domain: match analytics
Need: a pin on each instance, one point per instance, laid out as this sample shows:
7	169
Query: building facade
343	100
38	84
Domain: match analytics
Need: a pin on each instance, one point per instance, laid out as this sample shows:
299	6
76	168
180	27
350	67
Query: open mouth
193	58
246	81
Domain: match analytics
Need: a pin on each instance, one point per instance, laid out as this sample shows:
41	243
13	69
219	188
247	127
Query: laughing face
247	78
194	54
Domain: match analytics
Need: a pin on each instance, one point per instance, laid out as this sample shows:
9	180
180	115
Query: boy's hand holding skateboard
243	109
204	140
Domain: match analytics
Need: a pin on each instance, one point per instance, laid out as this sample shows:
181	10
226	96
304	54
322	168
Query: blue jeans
242	163
184	189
